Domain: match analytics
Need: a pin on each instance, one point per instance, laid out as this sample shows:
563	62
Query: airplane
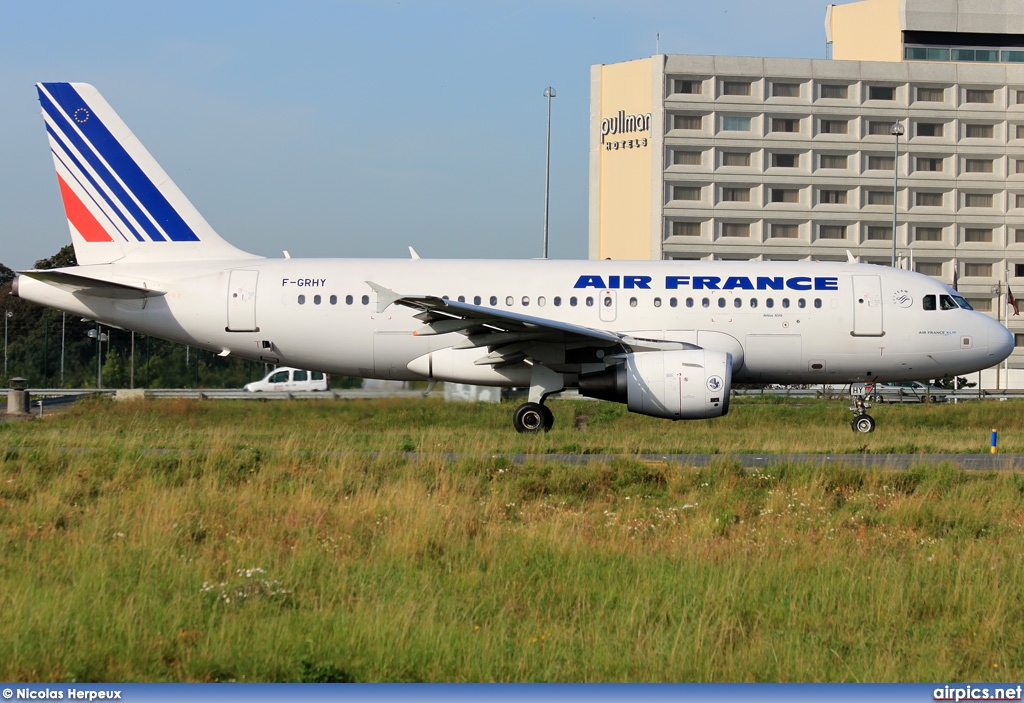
668	338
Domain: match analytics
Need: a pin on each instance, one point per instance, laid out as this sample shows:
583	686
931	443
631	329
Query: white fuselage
786	322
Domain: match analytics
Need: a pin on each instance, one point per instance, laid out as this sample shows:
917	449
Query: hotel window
978	270
977	200
736	158
876	128
834	92
1019	131
979	131
1018	270
682	157
977	235
785	195
982	304
685	193
880	233
929	163
685	229
785	160
786	90
880	163
926	199
735	124
1020	97
929	268
927	234
977	165
881	92
689	87
736	195
931	95
735	229
1018	199
832	161
974	95
782	124
735	87
687	122
832	232
832	197
1018	166
880	197
833	126
929	129
781	231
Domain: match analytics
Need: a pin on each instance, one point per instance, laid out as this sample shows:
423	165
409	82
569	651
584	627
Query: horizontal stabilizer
83	285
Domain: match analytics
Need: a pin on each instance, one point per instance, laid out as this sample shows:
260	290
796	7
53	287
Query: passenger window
632	302
316	375
928	302
557	300
299	375
316	299
494	300
657	302
509	300
334	300
348	300
946	302
817	302
689	302
753	302
705	302
785	302
302	300
541	300
526	301
672	302
590	302
607	301
476	300
462	298
770	303
736	303
572	301
366	300
801	303
721	302
279	377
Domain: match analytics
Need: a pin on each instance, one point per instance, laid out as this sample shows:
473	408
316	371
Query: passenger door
867	306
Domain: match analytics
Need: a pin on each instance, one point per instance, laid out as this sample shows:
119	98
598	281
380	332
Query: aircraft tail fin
119	202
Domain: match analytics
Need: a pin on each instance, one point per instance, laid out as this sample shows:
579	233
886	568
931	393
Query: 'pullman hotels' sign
623	124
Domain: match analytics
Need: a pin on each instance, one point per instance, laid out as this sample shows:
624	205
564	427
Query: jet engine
689	384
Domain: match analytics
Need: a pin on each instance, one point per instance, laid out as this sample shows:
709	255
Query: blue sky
354	128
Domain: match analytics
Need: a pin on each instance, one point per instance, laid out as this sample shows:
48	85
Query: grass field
296	541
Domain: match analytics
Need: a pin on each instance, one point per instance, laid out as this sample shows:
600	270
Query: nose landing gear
862	422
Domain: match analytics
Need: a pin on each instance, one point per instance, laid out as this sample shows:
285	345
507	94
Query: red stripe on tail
80	217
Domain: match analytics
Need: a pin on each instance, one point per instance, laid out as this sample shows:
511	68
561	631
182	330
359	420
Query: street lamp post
896	130
100	337
549	93
7	316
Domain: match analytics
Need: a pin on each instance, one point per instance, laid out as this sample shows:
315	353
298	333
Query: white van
288	379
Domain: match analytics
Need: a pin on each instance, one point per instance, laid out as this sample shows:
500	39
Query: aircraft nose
1000	341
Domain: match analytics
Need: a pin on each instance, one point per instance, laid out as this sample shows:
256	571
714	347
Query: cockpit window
946	302
962	302
928	302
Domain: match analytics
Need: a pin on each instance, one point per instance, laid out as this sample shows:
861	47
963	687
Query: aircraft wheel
549	418
532	417
863	423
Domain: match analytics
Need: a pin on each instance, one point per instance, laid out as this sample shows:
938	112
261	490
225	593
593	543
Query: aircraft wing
83	285
509	333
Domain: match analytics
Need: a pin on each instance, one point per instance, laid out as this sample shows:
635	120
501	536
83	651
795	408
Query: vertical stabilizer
119	203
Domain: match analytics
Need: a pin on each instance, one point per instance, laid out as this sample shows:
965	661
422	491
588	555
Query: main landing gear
862	422
533	417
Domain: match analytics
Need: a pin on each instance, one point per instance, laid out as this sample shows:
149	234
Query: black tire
549	418
530	418
863	423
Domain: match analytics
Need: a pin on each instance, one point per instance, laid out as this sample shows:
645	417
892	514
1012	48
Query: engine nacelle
690	384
